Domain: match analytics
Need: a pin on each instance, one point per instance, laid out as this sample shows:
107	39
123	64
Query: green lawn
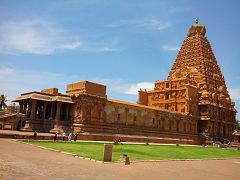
94	150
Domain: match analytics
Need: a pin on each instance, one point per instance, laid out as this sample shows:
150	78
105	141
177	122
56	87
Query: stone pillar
52	110
33	109
57	127
25	107
67	112
59	104
28	109
21	107
44	109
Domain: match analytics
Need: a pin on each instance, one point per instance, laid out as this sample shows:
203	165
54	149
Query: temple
192	102
196	86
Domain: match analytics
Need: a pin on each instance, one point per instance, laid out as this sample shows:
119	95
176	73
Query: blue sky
123	44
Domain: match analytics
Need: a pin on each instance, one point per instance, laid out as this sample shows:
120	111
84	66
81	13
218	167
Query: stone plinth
107	156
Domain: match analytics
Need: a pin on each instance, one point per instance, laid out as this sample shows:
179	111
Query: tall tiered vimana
195	86
191	106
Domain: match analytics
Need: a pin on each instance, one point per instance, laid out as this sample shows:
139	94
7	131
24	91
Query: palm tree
3	101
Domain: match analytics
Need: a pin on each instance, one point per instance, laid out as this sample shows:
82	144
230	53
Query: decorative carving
88	108
196	80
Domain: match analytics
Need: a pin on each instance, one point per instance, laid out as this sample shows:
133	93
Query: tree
3	101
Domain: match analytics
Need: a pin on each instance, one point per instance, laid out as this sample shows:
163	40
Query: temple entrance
202	126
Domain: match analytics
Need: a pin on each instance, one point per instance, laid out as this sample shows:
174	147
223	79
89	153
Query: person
35	134
55	136
70	136
63	135
75	137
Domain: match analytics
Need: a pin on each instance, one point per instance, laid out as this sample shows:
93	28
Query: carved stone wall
142	116
87	109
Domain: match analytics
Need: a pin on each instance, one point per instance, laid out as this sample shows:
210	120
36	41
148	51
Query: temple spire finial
196	20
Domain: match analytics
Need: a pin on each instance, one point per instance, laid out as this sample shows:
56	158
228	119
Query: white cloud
235	93
134	88
99	49
107	49
44	38
118	85
147	23
156	24
15	82
72	45
5	71
170	48
122	86
34	37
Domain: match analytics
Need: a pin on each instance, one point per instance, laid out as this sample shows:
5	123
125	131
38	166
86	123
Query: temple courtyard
23	161
138	151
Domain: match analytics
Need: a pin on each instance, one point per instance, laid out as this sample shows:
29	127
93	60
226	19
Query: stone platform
97	137
24	135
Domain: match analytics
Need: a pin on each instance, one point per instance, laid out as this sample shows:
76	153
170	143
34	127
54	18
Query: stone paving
23	161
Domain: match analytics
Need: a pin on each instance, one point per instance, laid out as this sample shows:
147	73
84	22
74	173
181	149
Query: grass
94	150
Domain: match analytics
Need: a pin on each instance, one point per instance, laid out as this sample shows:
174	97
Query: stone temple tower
196	86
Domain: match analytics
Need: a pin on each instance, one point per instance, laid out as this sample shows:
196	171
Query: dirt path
22	161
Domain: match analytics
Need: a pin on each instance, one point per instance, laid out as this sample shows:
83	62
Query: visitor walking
63	135
70	137
75	137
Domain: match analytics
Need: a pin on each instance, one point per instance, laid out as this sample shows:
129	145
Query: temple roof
196	29
44	97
